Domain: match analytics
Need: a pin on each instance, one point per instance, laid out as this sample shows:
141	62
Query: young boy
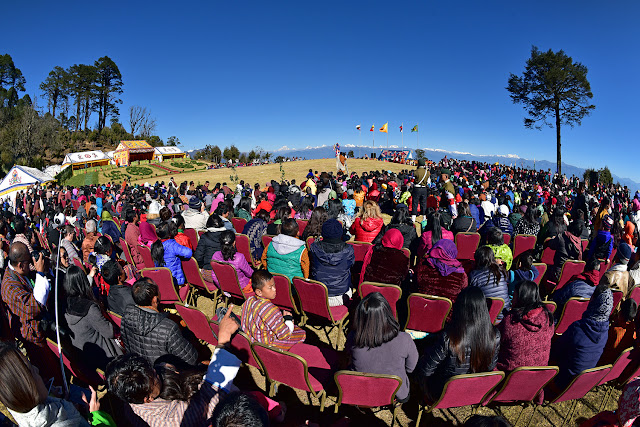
263	321
119	292
621	333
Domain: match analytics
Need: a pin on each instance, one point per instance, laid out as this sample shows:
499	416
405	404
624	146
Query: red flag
400	128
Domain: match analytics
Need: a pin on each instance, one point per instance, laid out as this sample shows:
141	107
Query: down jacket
151	334
486	281
367	230
173	251
208	245
331	264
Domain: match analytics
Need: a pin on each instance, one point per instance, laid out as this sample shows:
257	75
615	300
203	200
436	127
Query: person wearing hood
369	222
208	245
523	271
526	330
195	217
581	346
579	286
386	262
147	234
286	254
500	221
617	277
332	260
150	333
630	237
110	228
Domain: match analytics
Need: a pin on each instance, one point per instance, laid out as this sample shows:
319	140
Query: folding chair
242	245
617	369
548	255
284	367
495	306
302	224
635	294
506	237
571	312
617	297
569	269
462	390
523	243
523	385
309	241
228	280
115	318
127	252
145	253
314	300
193	235
579	387
266	239
240	346
585	243
200	233
467	244
238	224
162	277
360	250
551	306
75	367
391	293
197	323
367	390
427	313
193	276
542	270
284	294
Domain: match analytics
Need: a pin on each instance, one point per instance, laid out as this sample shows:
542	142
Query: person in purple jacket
229	253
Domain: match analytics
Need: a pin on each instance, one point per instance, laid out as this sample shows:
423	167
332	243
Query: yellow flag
384	128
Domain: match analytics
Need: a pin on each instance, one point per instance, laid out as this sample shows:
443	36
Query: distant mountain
326	151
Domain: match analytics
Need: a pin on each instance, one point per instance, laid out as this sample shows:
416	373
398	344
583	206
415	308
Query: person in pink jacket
228	253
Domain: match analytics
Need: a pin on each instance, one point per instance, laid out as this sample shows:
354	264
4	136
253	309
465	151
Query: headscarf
392	239
442	257
147	233
106	216
599	308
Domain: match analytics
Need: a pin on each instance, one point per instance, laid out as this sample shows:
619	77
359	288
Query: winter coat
111	229
331	264
367	230
565	249
241	265
501	222
580	286
524	227
131	235
387	265
254	229
151	334
284	255
600	247
440	362
119	298
518	276
173	252
53	412
208	245
526	342
475	213
408	233
91	332
464	224
430	282
241	213
485	280
195	219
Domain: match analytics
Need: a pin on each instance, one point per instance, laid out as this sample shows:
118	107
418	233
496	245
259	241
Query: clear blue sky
297	73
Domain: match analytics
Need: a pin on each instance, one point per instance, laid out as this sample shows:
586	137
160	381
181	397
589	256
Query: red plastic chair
427	313
314	300
162	277
506	237
495	306
242	245
127	252
523	243
197	323
462	390
542	270
619	366
392	293
228	280
145	253
302	224
284	367
572	311
74	365
193	276
193	235
367	390
266	239
569	269
467	244
548	255
580	386
115	318
238	224
284	294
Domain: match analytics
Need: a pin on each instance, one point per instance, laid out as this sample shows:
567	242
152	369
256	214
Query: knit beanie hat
332	229
195	203
624	252
607	222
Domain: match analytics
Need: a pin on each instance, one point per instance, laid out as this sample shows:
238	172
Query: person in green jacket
286	254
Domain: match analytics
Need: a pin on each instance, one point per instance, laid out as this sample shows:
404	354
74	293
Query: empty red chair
542	270
462	390
192	234
314	300
193	276
145	253
467	243
302	224
571	312
391	293
127	252
115	318
523	243
569	269
228	280
162	277
266	239
242	245
197	323
367	390
495	306
427	313
284	294
238	224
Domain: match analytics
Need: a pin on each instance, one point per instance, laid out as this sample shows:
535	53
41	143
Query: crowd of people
79	238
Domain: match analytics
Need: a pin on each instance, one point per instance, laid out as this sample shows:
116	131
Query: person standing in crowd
419	193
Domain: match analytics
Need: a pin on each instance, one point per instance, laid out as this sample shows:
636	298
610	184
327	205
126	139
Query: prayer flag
358	127
400	128
372	128
384	128
414	129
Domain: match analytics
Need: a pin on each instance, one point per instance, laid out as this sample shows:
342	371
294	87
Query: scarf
442	257
147	233
599	308
392	239
106	216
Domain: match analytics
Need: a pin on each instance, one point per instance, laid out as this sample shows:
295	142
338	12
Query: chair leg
272	388
606	398
570	413
420	411
394	414
533	414
323	400
519	415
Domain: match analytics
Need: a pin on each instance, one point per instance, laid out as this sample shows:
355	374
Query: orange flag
384	128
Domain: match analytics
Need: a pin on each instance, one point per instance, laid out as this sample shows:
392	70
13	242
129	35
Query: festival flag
358	127
372	128
384	128
414	129
400	128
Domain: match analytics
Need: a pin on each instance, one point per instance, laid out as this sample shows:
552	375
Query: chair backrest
392	293
366	390
360	249
618	367
548	255
78	263
238	224
542	270
266	239
523	243
127	252
309	241
192	234
314	297
302	224
569	269
427	313
200	233
194	277
197	323
145	253
162	277
495	306
467	243
115	318
284	367
284	295
617	297
635	294
551	306
74	365
240	346
506	237
583	383
467	389
571	312
585	243
242	245
227	278
524	384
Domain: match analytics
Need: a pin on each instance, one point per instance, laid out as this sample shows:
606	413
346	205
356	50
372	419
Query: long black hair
374	322
470	329
245	203
485	258
76	284
157	249
335	208
401	216
434	225
228	249
526	298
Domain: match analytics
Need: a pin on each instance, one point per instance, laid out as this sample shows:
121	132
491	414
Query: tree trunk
78	102
559	147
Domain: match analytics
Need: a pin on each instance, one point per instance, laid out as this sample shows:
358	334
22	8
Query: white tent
53	170
165	153
85	159
20	178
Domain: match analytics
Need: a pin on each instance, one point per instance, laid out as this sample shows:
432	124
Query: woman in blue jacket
166	252
580	347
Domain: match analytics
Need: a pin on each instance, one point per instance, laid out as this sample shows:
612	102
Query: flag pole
374	138
402	132
418	135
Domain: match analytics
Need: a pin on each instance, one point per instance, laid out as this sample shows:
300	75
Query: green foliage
108	86
420	154
211	153
186	164
604	176
139	170
350	154
281	169
173	141
231	153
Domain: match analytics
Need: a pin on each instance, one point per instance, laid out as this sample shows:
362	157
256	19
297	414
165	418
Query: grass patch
81	179
139	170
186	164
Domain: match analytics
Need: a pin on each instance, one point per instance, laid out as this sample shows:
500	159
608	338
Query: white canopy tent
165	153
85	159
20	178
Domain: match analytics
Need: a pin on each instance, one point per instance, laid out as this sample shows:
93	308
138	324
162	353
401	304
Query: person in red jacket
368	223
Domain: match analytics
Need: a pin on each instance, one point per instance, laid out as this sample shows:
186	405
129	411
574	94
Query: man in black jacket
149	333
119	292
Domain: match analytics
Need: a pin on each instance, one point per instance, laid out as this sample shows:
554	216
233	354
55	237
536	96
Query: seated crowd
93	242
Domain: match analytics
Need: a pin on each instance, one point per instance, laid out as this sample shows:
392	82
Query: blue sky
296	74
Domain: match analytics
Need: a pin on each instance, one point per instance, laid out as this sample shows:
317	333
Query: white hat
503	210
154	208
